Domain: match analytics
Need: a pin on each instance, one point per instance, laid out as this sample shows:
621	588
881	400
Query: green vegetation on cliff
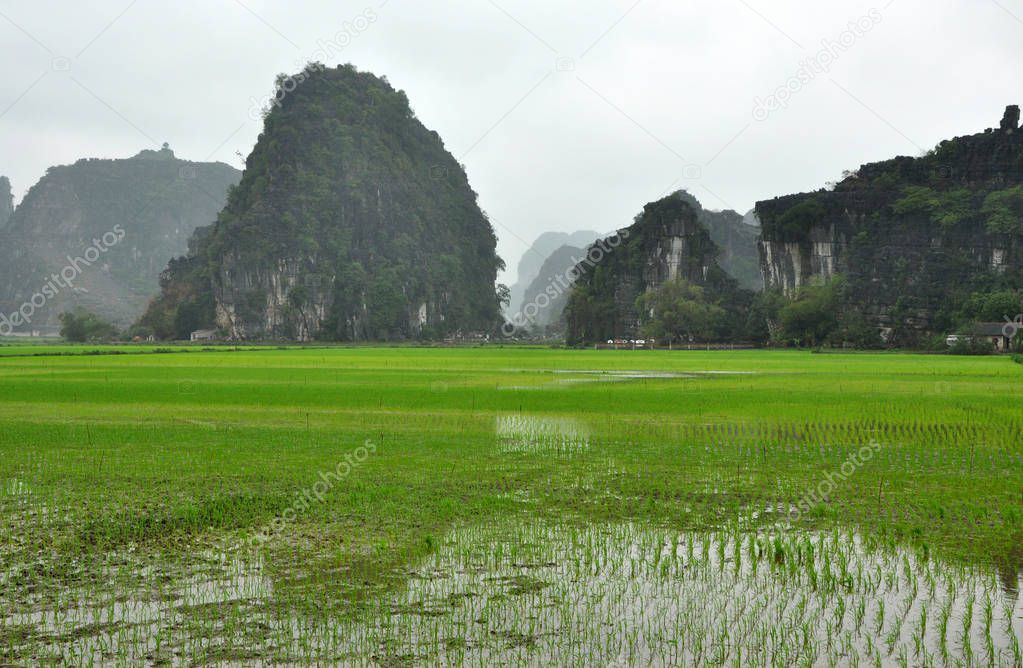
667	243
351	222
918	240
151	203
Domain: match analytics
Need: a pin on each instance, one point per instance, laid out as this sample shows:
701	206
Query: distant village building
999	334
204	335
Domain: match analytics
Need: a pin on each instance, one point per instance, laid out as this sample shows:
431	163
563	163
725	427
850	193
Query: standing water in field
527	433
625	595
533	593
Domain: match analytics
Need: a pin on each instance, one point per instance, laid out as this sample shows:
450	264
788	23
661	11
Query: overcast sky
568	114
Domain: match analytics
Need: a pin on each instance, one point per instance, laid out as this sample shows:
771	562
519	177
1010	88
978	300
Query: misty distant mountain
549	291
97	234
534	258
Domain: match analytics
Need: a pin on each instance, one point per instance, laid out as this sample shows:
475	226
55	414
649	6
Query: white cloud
670	79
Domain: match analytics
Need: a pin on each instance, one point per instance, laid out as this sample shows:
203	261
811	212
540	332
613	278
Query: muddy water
625	595
532	434
133	613
531	593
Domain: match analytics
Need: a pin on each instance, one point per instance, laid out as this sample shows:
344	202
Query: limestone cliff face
666	242
96	234
736	237
6	202
910	234
790	264
351	223
276	311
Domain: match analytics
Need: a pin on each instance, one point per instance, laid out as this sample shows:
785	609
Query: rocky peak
668	241
1010	121
164	153
352	222
124	217
6	201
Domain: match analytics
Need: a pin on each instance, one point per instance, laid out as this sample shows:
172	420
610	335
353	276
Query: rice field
517	506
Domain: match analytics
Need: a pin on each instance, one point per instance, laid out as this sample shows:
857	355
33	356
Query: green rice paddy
508	506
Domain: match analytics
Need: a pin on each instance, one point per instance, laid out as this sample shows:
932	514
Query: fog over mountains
97	234
541	102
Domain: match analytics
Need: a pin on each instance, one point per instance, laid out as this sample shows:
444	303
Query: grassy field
402	506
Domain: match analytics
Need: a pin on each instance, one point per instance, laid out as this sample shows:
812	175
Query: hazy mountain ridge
554	281
151	203
537	255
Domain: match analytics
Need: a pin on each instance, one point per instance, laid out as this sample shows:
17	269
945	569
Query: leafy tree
797	222
762	318
1004	210
503	295
812	316
992	306
678	311
856	329
80	326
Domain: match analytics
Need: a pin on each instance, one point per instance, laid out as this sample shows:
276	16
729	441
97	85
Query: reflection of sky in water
519	593
527	433
624	595
577	377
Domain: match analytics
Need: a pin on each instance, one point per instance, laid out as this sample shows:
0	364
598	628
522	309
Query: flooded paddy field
408	507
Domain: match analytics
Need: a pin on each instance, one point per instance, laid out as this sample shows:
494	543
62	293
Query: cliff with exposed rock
97	234
913	237
666	242
736	237
351	223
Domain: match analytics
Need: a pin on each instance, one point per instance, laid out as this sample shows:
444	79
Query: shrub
79	326
972	347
